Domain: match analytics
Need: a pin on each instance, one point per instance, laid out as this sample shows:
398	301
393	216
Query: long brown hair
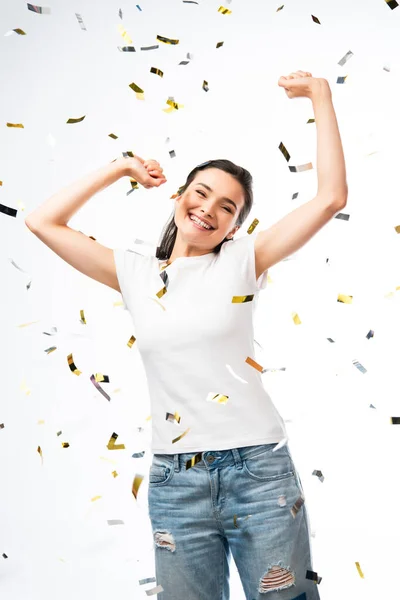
169	232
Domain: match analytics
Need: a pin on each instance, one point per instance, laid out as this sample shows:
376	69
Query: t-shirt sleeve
244	251
126	266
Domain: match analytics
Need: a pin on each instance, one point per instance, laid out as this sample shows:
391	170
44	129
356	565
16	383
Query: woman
222	479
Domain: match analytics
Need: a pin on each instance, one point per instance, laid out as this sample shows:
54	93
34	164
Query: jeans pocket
161	470
269	465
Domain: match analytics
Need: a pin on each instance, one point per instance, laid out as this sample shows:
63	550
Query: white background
58	542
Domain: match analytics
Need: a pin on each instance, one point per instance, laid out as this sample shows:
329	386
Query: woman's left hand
302	84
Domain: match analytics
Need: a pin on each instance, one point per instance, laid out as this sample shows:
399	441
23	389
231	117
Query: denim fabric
230	503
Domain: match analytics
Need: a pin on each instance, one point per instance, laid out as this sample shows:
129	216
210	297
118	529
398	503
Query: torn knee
164	539
276	578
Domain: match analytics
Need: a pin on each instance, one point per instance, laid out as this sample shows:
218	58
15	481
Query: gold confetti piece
253	363
181	436
148	418
301	168
315	20
296	319
284	151
65	444
241	299
118	303
136	88
359	570
219	44
124	34
224	11
1	425
167	40
27	324
83	320
41	422
39	9
173	418
395	420
19	31
7	210
113	136
15	125
296	506
137	482
100	377
72	365
131	341
112	445
205	86
194	460
40	452
235	520
280	8
156	71
252	226
24	388
95	498
217	398
79	120
345	299
115	474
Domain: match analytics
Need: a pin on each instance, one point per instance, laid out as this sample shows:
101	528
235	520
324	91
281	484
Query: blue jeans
235	502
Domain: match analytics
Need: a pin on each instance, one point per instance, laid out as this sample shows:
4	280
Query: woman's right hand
148	173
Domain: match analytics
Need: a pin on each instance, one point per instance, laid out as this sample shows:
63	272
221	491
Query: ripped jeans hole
164	539
277	578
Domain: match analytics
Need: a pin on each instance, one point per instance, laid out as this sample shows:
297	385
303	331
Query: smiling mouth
199	226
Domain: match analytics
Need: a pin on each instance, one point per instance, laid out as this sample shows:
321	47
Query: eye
228	209
202	193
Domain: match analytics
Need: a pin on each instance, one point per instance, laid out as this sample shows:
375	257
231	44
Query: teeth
196	220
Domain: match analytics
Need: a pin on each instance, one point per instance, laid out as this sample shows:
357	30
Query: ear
232	233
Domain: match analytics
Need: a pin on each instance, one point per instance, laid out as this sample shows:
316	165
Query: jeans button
210	459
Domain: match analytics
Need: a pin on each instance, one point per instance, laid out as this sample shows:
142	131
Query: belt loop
176	463
237	458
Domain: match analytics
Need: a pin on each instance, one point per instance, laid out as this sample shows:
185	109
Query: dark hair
168	236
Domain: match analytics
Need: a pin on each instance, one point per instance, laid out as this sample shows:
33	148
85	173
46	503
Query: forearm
59	208
331	168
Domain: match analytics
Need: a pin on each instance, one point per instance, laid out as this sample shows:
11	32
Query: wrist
320	90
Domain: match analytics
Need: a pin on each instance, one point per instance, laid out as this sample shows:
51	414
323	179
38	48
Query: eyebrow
223	197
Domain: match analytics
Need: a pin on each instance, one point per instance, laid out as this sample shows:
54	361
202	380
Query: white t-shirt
194	341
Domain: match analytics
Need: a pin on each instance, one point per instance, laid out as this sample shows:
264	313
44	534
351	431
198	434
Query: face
216	198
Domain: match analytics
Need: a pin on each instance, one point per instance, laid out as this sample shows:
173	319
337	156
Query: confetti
167	40
359	570
217	398
301	168
112	445
4	555
156	590
392	4
80	21
315	20
137	482
114	473
205	86
79	120
395	420
72	365
65	444
224	11
95	498
194	460
115	522
345	58
83	320
99	388
172	418
319	475
313	576
131	341
124	34
39	9
181	436
6	210
156	71
148	580
280	8
219	44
